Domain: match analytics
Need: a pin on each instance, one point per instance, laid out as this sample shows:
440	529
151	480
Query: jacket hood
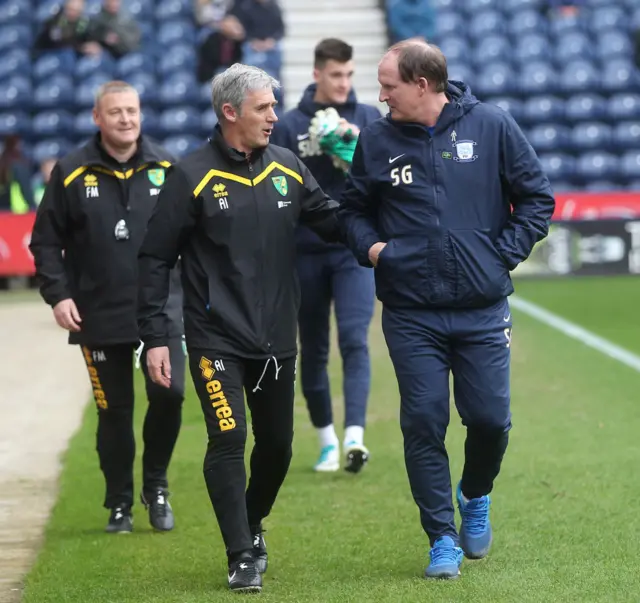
309	106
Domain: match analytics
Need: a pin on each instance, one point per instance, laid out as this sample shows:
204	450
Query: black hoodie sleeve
49	240
173	220
318	210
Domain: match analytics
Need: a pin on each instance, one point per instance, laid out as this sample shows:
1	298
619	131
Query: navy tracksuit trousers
425	347
326	276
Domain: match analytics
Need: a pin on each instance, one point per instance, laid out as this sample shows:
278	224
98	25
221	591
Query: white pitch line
602	345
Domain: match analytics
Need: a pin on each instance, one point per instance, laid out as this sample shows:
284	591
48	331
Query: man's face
73	9
111	6
402	98
333	82
118	117
256	118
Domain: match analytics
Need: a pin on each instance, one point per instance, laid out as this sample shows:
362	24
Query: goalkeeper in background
323	131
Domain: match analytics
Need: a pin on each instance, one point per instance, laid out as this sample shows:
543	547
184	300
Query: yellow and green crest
156	176
280	182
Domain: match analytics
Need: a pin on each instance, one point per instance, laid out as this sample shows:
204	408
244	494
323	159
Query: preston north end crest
280	182
156	176
465	151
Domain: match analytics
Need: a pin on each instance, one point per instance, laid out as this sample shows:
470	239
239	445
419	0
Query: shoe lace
443	554
476	516
161	504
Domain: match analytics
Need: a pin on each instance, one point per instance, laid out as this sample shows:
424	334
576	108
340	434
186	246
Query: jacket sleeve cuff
156	342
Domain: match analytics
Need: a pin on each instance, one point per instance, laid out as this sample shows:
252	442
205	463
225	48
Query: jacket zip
435	202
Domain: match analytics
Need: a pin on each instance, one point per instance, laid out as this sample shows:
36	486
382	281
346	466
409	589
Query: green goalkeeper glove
334	138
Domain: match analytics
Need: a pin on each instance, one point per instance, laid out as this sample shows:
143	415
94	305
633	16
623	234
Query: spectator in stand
558	9
68	29
42	177
15	189
263	28
410	19
222	37
114	29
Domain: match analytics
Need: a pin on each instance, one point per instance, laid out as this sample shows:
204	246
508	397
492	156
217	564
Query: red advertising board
15	235
597	206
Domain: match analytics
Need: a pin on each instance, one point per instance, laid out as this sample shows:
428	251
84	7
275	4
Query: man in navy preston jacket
445	197
329	271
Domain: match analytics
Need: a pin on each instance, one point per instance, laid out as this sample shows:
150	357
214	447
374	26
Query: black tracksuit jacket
232	221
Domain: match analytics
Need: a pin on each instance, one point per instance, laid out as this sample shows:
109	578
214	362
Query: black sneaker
160	512
120	520
244	577
357	456
259	550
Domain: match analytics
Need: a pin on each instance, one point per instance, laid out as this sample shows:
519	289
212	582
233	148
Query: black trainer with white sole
160	511
120	521
244	576
259	550
357	456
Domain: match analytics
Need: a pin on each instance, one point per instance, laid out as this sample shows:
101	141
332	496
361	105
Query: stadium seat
443	5
526	22
484	24
151	123
84	126
15	12
461	72
169	10
549	137
456	49
491	49
612	45
14	62
88	66
53	63
626	135
146	85
543	109
54	92
608	17
140	10
45	9
208	122
591	135
15	36
181	145
620	75
531	48
85	91
516	6
46	149
49	124
558	166
561	27
204	95
15	122
16	93
602	186
450	24
92	7
582	107
132	63
537	78
630	165
180	120
634	186
175	32
625	105
180	58
476	6
509	104
579	76
597	165
179	89
496	79
572	46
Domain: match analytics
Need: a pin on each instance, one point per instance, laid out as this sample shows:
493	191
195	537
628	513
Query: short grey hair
231	86
111	87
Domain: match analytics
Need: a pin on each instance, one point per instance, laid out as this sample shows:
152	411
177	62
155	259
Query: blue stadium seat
515	6
443	5
204	95
168	10
85	91
180	120
15	62
526	22
626	135
49	124
486	23
608	17
630	165
208	122
561	27
625	105
15	122
613	44
489	50
146	85
558	166
178	89
634	186
582	107
620	76
88	66
450	24
549	137
84	126
461	72
476	6
15	93
140	10
54	147
134	62
15	12
178	31
15	36
597	165
181	145
54	92
509	104
147	34
602	186
53	63
573	46
179	58
543	109
455	49
562	186
580	76
537	78
496	79
591	135
151	123
92	7
46	9
531	48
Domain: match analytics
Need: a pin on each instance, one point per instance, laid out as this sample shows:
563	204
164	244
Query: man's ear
230	112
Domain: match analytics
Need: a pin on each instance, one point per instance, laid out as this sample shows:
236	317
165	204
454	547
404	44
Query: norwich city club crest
156	176
280	182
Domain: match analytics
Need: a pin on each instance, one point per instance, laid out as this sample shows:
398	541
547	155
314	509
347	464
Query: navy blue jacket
458	209
292	132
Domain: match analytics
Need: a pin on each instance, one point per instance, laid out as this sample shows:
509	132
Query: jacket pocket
481	274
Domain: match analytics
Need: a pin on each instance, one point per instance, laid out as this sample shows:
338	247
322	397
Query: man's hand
374	252
159	366
67	316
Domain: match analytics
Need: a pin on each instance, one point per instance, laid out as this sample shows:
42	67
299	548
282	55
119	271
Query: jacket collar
97	155
218	142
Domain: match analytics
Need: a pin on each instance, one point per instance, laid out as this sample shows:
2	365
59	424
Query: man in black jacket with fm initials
229	211
85	242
